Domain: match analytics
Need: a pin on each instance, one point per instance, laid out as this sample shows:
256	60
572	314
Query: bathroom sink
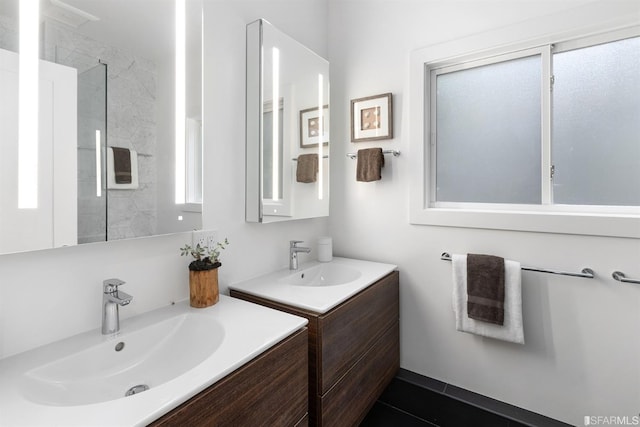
158	360
329	274
316	286
132	363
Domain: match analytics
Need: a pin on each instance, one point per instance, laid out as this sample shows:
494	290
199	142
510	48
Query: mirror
106	79
287	159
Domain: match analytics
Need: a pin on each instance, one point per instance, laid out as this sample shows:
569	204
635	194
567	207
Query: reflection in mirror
287	167
106	160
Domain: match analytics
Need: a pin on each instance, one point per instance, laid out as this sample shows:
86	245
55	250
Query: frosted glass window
596	125
488	133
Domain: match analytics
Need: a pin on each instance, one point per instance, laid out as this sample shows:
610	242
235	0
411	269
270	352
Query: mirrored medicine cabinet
287	128
110	73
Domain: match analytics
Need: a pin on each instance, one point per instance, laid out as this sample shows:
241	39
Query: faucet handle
111	285
293	243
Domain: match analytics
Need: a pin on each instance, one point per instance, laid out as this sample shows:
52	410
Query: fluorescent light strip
98	164
320	134
28	117
180	102
275	141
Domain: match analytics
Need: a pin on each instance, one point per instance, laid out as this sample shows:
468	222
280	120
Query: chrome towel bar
326	156
587	273
395	153
620	277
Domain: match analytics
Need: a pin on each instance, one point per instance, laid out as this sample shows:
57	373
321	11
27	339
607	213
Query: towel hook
620	277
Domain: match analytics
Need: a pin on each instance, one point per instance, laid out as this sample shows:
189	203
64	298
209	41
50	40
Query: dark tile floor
382	415
412	400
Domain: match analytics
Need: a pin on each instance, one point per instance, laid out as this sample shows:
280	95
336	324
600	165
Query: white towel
111	173
512	329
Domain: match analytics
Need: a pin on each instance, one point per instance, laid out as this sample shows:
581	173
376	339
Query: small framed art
310	132
372	118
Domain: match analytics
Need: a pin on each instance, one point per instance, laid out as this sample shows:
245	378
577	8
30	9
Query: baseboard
444	404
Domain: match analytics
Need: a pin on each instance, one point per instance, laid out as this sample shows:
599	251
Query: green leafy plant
205	257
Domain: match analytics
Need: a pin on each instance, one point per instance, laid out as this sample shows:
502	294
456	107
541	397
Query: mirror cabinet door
126	92
287	128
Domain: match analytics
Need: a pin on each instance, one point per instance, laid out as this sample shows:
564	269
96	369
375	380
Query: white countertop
318	299
248	330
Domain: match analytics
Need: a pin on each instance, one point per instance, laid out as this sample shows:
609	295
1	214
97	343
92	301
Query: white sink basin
316	286
136	361
329	274
176	351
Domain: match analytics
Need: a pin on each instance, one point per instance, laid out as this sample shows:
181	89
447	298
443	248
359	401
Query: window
541	133
488	126
487	130
595	145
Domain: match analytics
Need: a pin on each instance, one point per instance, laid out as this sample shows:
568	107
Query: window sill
612	225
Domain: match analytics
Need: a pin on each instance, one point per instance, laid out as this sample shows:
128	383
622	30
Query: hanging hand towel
307	168
122	165
485	288
512	329
370	164
112	174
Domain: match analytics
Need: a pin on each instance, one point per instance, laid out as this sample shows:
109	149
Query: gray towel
122	165
307	168
370	164
485	288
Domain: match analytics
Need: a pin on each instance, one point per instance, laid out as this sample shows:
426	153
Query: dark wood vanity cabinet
270	390
354	351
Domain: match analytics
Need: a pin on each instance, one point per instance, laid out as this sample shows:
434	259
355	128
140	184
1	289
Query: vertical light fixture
28	92
275	140
320	134
98	164
180	111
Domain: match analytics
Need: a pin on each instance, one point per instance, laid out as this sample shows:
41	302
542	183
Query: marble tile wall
8	33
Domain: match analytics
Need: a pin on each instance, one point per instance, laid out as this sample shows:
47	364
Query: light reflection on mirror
287	147
28	84
107	69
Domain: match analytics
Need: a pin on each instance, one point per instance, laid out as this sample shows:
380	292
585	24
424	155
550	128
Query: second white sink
329	274
316	286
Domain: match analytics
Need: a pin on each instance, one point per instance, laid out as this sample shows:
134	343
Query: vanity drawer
270	390
349	400
340	339
348	331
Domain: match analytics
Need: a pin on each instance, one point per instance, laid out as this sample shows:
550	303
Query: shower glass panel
92	139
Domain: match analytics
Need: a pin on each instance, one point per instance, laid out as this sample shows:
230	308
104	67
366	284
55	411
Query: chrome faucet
112	299
293	253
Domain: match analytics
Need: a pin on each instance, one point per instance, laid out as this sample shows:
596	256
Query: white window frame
537	35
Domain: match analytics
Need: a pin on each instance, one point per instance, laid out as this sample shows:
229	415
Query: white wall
51	294
582	350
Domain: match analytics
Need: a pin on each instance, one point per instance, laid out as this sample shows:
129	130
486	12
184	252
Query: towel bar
620	277
295	159
586	273
395	153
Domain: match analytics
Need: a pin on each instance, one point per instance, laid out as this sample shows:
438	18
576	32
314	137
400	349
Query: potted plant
203	273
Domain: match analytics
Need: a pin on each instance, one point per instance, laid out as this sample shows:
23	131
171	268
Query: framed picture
310	132
372	118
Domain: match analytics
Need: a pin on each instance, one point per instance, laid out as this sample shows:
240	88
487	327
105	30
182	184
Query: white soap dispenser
325	249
